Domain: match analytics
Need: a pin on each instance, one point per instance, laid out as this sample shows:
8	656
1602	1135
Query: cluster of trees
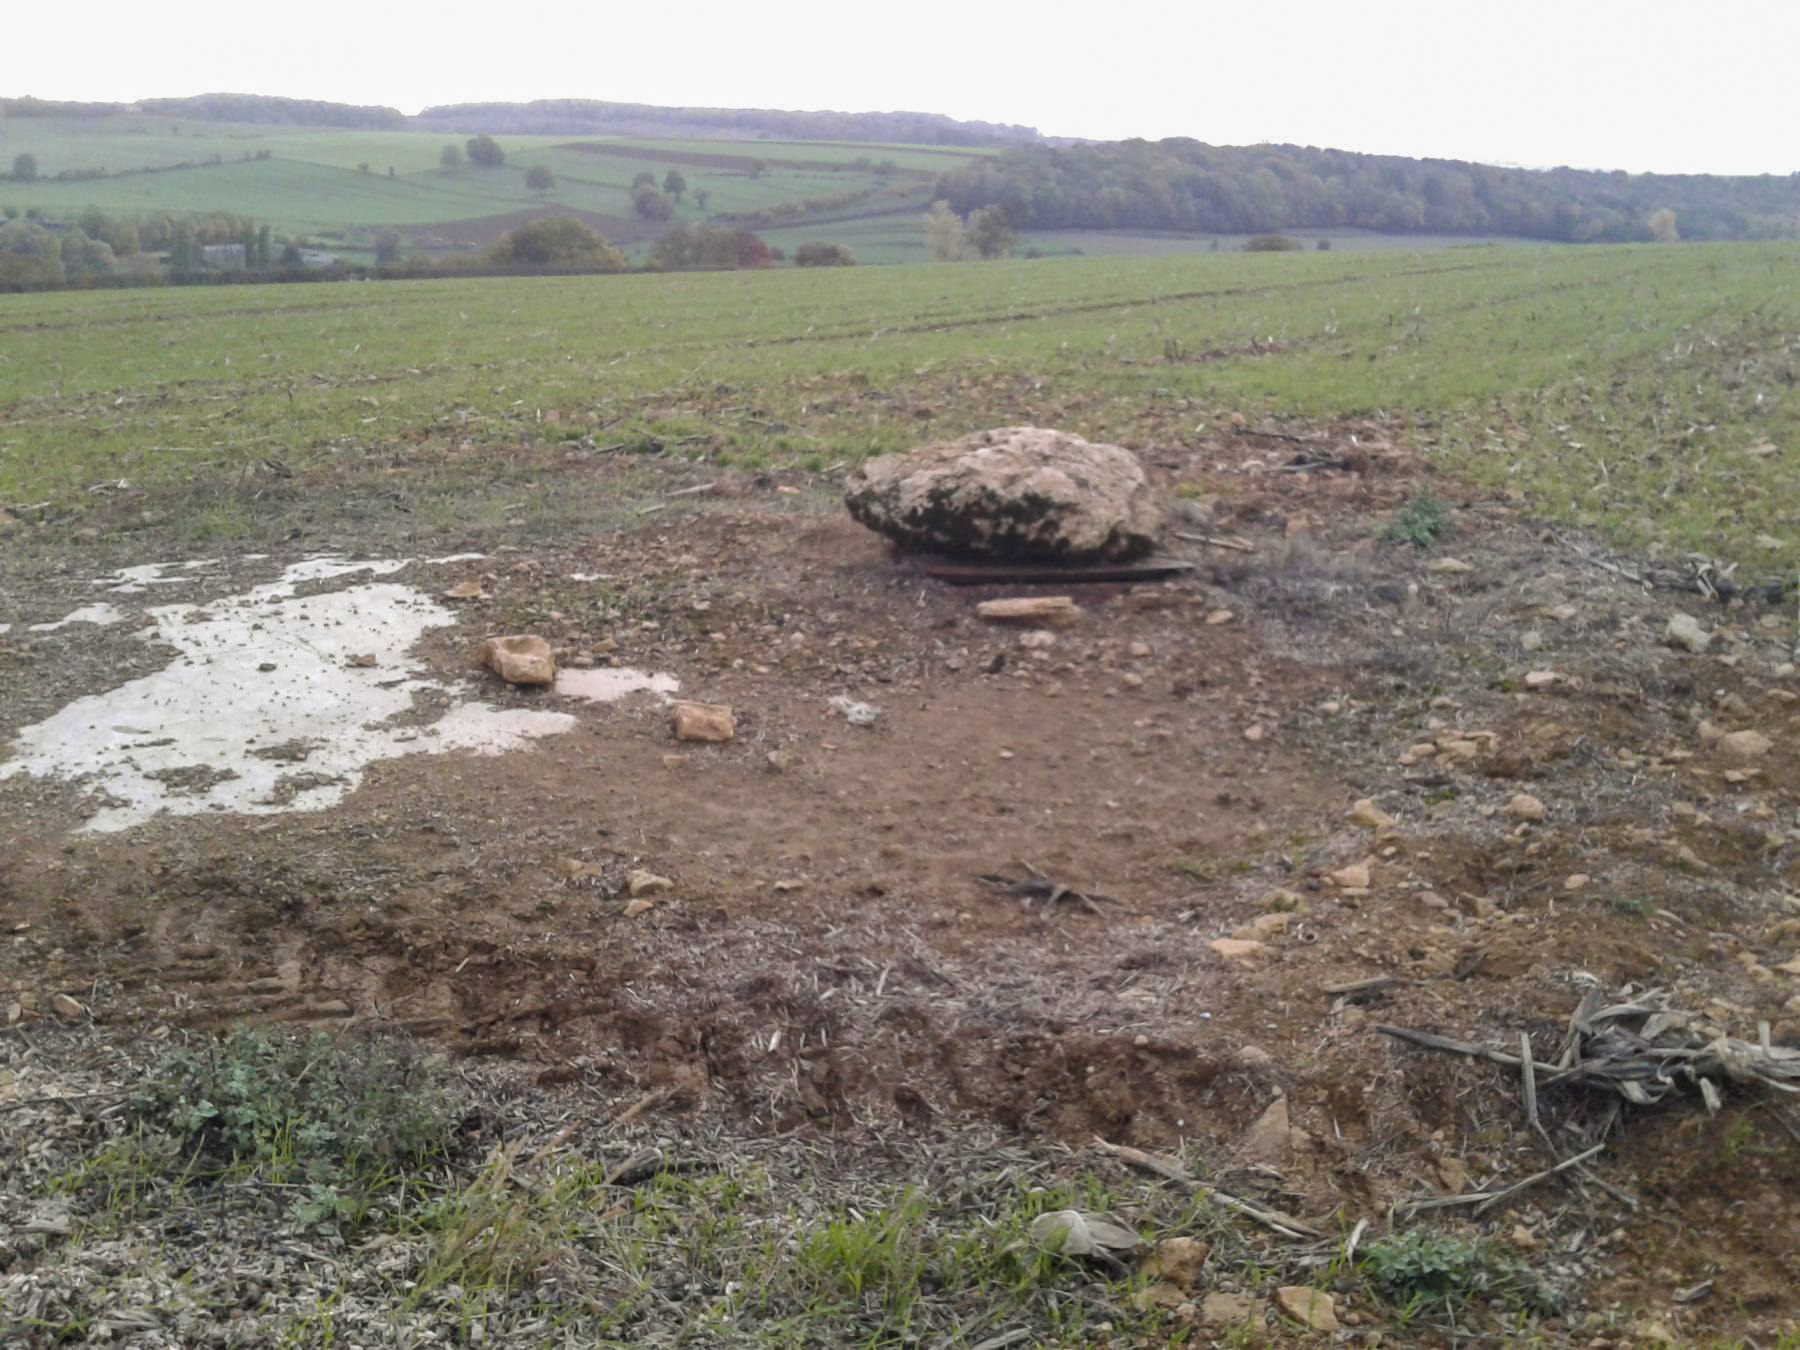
652	204
785	213
576	116
555	242
985	232
572	116
705	248
50	107
264	109
1189	186
95	246
820	254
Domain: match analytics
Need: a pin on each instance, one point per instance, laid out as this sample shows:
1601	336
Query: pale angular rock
704	722
1269	1137
65	1007
640	881
1684	631
1745	745
1524	806
1354	876
1313	1307
1452	566
1266	926
1032	611
1181	1261
522	659
1226	1310
1371	816
1237	949
1018	492
1163	1294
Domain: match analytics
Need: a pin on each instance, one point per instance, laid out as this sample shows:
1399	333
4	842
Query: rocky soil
945	895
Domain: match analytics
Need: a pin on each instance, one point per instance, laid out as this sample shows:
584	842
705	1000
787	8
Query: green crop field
1644	390
343	185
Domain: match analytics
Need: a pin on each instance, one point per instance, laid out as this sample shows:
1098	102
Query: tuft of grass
491	1235
1421	522
872	1264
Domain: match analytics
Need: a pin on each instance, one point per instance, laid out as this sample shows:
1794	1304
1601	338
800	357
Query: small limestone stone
1453	566
634	908
1371	816
1313	1307
1163	1294
1032	611
1225	1310
1355	876
642	882
1684	631
1180	1260
1268	1138
1526	807
522	659
1265	926
65	1007
1237	949
1745	745
704	722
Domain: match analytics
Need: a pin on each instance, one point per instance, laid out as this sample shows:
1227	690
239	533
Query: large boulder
1015	492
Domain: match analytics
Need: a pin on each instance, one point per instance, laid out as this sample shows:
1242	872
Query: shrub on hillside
703	248
1271	243
651	204
556	241
30	255
823	255
485	151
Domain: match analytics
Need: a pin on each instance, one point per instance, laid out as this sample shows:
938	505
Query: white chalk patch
137	580
100	615
5	628
262	711
590	576
456	558
605	684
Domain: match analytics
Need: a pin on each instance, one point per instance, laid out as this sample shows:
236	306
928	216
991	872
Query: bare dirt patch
831	961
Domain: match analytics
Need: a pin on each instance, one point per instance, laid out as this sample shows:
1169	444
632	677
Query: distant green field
1624	386
313	182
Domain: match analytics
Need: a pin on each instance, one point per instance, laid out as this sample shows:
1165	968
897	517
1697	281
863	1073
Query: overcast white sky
1674	87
